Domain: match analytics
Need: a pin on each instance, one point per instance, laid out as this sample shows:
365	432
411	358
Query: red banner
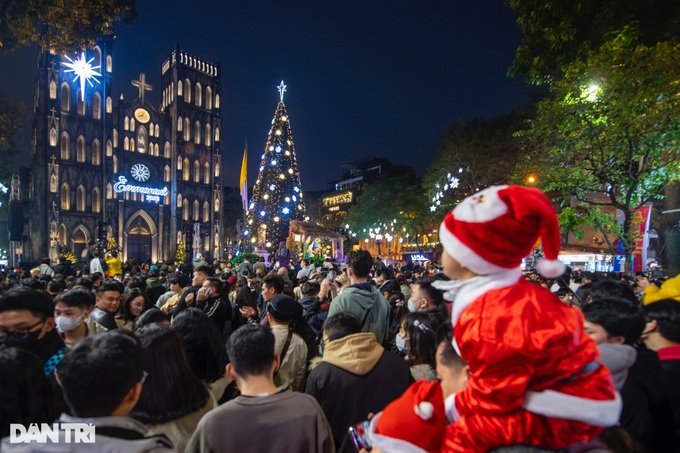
639	227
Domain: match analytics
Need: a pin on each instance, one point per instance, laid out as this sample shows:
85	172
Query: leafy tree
58	25
473	154
388	205
613	128
12	117
557	32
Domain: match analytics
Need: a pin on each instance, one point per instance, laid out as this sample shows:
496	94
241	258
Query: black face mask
27	342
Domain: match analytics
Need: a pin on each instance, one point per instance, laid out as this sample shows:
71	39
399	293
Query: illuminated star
455	183
433	208
83	70
282	89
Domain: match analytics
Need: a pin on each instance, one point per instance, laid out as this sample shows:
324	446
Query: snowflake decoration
140	172
285	210
455	182
83	70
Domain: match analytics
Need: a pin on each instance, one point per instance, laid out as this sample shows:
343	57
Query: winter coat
198	262
115	265
356	376
670	289
369	305
154	289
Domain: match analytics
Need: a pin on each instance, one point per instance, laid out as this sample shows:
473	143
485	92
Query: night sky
364	77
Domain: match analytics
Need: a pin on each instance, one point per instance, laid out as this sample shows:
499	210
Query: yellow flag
243	183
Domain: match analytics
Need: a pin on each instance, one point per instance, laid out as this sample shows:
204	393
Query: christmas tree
111	245
277	195
181	253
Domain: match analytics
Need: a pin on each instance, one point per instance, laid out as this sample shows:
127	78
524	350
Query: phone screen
358	435
331	275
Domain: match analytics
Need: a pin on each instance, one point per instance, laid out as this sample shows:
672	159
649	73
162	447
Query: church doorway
79	241
139	240
141	237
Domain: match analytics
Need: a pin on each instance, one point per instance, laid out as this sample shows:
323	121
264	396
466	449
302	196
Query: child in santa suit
535	376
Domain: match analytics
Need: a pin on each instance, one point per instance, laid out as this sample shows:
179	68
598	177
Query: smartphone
358	435
331	275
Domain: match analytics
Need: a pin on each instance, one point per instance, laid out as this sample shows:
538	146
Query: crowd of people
450	356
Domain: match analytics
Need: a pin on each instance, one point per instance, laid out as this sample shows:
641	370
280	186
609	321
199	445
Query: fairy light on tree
277	195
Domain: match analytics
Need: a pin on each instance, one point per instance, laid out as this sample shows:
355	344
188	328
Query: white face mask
400	342
65	324
411	305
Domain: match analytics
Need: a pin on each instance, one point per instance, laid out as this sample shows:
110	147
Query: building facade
148	176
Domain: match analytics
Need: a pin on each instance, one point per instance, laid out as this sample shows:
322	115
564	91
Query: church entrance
139	244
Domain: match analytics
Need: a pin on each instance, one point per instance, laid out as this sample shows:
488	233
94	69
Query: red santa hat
413	423
493	230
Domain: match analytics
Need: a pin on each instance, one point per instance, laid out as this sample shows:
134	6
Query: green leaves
61	26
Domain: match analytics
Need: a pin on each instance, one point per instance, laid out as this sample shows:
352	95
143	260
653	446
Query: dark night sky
364	77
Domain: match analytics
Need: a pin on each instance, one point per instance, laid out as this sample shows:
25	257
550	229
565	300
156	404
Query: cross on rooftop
141	85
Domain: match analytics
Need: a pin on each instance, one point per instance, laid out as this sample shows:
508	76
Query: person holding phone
208	299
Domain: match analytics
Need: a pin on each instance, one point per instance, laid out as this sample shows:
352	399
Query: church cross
141	85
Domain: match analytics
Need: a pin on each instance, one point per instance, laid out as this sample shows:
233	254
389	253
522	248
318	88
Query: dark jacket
103	318
647	414
64	269
356	376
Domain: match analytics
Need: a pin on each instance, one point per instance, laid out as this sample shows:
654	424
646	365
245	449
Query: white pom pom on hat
424	410
494	229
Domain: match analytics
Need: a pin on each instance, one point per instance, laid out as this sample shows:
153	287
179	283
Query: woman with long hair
134	303
205	351
172	400
417	338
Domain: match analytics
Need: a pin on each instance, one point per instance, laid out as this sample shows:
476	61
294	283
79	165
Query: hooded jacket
368	304
356	376
670	289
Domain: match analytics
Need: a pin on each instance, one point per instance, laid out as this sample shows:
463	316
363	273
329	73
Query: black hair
110	284
181	279
448	357
137	282
251	350
99	371
81	298
346	323
22	298
27	395
274	281
421	329
207	270
361	262
216	283
433	295
311	288
171	390
150	316
605	289
206	353
84	282
666	313
619	317
245	297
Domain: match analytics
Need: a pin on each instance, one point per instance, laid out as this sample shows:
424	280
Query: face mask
411	305
400	342
65	324
31	339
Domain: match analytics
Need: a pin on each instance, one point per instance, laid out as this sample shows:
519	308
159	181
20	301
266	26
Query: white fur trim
452	414
482	206
560	405
469	290
550	268
465	255
424	410
389	444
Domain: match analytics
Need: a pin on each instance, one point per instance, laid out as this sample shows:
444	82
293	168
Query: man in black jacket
107	304
355	377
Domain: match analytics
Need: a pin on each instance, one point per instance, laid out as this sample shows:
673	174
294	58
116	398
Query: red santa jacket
534	372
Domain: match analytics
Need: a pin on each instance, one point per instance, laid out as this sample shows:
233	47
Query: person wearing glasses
27	322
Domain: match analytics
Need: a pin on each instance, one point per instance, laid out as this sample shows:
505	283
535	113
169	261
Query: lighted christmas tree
277	194
181	253
111	245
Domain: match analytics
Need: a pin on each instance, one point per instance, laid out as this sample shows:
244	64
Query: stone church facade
147	175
